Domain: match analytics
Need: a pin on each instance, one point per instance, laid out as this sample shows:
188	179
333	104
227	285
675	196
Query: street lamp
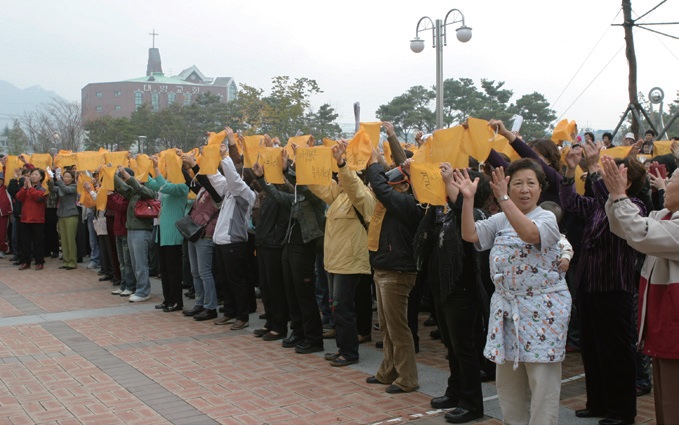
142	139
438	31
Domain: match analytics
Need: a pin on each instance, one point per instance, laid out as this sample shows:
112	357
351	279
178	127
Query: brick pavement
71	353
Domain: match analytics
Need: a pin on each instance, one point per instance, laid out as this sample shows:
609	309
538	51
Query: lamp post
438	31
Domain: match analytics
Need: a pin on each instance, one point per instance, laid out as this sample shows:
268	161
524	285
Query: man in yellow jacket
351	205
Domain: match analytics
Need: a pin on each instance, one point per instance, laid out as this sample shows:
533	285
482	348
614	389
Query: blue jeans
95	256
127	280
139	243
200	257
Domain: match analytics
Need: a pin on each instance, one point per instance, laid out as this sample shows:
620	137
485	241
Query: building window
99	94
137	100
117	93
187	98
99	109
171	97
154	101
118	108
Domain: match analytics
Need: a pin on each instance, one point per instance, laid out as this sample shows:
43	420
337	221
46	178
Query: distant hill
15	101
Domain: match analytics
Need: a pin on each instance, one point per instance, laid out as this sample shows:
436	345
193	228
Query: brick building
121	98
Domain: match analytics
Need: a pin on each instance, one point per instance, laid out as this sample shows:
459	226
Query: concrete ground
72	353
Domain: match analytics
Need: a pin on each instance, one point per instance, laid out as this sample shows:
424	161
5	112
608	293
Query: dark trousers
363	300
82	237
323	295
154	252
233	257
300	290
607	340
187	278
344	288
271	277
459	319
252	272
114	250
170	267
105	256
32	242
51	235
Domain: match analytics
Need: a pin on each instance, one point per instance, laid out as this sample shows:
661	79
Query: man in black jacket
390	241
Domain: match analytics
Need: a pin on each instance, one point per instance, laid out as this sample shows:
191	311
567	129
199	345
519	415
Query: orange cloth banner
476	139
210	159
373	131
64	159
89	161
170	165
102	199
314	166
142	167
446	146
11	165
117	158
359	150
106	176
251	149
216	138
427	182
271	160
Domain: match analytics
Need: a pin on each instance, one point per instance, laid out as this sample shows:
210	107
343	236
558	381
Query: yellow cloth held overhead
563	131
662	147
143	166
85	198
117	158
446	146
89	160
102	199
314	166
359	150
579	181
330	143
502	145
41	160
373	131
216	138
64	159
270	159
423	153
386	148
427	183
12	164
170	165
476	139
618	152
251	148
210	159
106	177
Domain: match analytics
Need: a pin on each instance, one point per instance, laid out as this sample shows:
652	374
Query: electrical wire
585	60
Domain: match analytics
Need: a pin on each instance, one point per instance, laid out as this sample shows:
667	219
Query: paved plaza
72	353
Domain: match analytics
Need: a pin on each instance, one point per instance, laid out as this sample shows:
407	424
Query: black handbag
190	230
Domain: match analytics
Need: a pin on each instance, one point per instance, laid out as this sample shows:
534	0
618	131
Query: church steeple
154	63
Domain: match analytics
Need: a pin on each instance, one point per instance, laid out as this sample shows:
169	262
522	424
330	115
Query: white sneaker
138	299
93	266
117	291
126	293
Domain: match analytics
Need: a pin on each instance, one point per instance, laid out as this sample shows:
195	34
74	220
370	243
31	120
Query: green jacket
133	191
173	199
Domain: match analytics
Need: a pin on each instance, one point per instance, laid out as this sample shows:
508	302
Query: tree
537	115
54	125
288	102
17	141
109	133
322	123
410	111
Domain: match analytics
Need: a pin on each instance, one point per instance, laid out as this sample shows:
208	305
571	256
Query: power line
588	85
608	27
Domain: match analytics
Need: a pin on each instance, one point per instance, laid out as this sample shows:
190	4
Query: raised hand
614	177
230	135
338	151
464	184
499	182
257	169
447	172
573	157
591	155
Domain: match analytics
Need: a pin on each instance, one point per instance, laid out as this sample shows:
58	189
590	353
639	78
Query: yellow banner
251	149
476	140
170	165
427	182
117	158
89	160
501	145
102	199
373	131
64	159
359	150
13	163
106	177
271	160
446	146
216	138
314	166
210	159
662	147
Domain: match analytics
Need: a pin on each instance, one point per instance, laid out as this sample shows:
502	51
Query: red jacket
5	201
118	205
33	204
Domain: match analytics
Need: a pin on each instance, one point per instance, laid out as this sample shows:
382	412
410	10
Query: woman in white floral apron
531	305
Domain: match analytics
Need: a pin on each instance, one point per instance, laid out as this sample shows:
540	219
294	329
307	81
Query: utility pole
631	61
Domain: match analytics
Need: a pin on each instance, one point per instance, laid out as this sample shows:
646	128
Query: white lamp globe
464	33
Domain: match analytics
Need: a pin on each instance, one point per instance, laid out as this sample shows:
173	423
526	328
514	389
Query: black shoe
292	341
431	321
307	348
259	333
17	263
379	344
373	380
195	310
100	273
160	306
586	413
610	421
341	361
460	415
443	402
115	282
55	255
643	391
206	314
331	356
270	336
262	316
172	308
435	334
105	278
487	377
394	389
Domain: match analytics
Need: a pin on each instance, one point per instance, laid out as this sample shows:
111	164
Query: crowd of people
520	267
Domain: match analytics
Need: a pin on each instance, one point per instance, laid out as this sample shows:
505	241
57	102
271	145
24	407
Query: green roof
161	79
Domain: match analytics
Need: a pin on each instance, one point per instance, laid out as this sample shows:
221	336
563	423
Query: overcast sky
355	50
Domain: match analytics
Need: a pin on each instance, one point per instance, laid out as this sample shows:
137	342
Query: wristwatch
503	198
